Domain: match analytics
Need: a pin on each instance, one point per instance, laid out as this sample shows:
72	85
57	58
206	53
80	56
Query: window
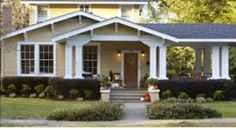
84	8
42	13
90	59
46	59
27	59
126	11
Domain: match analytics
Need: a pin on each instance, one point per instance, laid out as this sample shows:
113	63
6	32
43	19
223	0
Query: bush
41	95
12	95
2	91
166	94
152	81
218	95
180	111
201	100
170	100
210	100
39	88
33	95
60	97
26	90
201	95
196	87
50	91
74	93
183	95
88	94
11	88
101	111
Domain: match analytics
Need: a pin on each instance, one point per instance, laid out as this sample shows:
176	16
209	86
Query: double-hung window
42	11
36	59
126	11
90	59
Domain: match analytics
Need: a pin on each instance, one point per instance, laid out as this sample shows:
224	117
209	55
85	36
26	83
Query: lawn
35	108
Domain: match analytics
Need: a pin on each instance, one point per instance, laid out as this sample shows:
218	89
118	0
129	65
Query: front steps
126	95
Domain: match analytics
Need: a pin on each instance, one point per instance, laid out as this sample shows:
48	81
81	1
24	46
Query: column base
162	78
68	77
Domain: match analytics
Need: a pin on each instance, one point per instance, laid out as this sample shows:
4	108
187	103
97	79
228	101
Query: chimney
6	16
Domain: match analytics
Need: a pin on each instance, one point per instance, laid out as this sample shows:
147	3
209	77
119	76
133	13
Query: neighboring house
80	43
41	10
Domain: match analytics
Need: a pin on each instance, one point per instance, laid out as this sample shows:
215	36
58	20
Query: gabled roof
196	31
52	21
111	21
137	2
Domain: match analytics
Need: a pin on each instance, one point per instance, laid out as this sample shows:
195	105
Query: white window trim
139	65
36	56
98	44
36	13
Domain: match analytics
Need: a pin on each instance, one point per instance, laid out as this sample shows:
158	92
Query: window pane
27	59
42	13
46	59
90	59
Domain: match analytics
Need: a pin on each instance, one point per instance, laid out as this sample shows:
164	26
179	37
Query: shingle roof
196	31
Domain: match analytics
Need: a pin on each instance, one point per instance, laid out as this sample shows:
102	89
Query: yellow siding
111	61
106	11
32	16
57	10
9	56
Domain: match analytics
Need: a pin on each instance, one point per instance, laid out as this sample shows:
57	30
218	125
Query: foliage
210	99
201	100
101	111
39	88
143	81
88	94
74	93
2	90
183	95
232	60
33	95
11	88
60	97
166	94
219	95
180	111
41	95
26	90
201	95
12	95
105	81
50	91
152	81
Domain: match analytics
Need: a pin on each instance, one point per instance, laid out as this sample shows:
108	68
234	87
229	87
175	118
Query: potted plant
152	83
105	82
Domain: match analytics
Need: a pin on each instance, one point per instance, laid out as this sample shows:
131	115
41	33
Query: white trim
83	2
36	14
110	21
51	21
36	59
138	68
206	40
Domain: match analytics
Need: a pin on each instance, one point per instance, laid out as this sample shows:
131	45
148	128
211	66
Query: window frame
89	7
130	17
37	13
36	59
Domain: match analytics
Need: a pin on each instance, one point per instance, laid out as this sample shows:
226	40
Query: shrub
60	97
33	95
152	81
50	91
183	95
171	100
39	88
166	94
201	95
201	100
2	90
101	111
218	95
26	90
88	94
210	100
196	87
41	95
74	93
180	111
11	88
12	95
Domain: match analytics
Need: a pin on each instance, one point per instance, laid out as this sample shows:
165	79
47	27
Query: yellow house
41	10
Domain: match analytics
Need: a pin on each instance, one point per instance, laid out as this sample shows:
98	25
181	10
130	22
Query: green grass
191	124
19	108
228	109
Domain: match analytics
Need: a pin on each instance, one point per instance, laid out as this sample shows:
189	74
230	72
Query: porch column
225	62
79	61
215	57
68	61
198	61
153	62
207	60
162	62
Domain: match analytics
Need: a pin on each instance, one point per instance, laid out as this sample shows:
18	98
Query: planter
105	94
154	94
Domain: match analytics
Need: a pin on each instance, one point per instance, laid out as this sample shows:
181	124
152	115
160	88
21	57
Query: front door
131	70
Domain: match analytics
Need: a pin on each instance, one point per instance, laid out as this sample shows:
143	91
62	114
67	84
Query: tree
191	11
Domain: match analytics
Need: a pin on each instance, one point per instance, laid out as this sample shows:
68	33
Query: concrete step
126	94
127	101
125	97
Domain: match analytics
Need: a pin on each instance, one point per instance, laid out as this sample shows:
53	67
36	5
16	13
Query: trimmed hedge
180	111
62	86
196	87
100	111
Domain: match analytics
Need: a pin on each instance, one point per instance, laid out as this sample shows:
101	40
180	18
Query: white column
225	62
68	61
153	62
79	61
36	51
198	61
207	60
215	57
162	62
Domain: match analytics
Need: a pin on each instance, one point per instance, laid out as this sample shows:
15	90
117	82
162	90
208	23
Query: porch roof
196	31
138	2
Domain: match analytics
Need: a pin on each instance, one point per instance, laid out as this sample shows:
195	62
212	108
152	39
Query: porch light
118	53
142	53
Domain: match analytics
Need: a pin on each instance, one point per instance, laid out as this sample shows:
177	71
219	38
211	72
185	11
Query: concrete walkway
134	111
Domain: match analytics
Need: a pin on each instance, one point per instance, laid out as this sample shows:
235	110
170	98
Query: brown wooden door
131	69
